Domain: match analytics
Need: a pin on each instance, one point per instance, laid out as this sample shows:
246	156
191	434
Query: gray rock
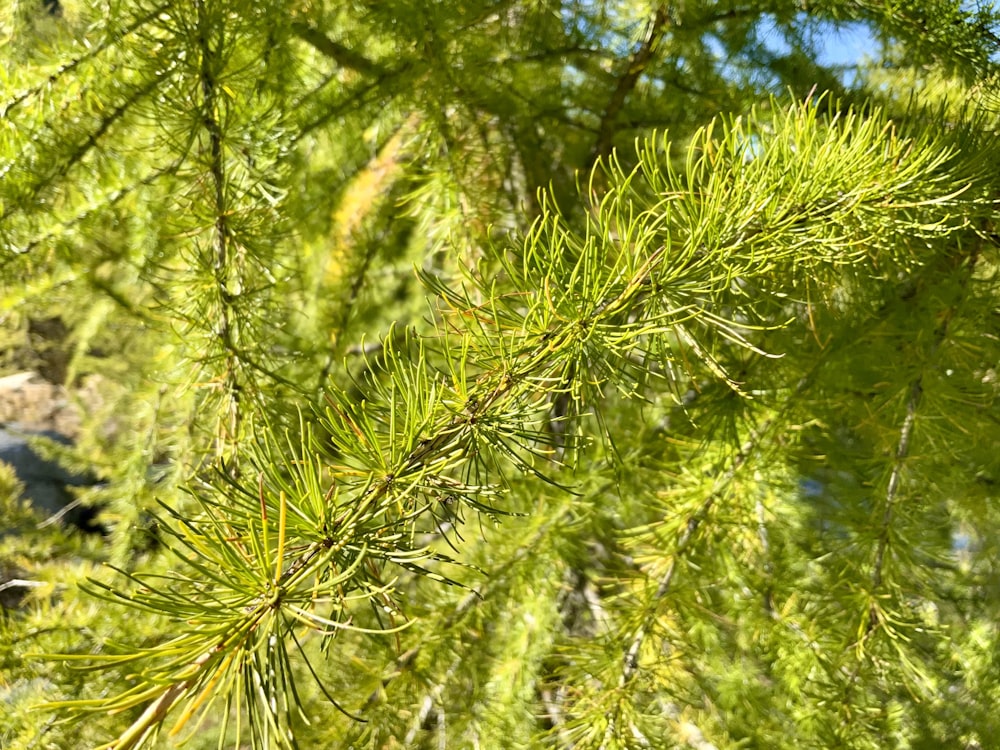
45	482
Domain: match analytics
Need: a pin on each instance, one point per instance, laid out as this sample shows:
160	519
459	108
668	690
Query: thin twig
631	662
905	437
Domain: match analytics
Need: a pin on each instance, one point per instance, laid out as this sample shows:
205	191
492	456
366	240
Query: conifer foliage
506	374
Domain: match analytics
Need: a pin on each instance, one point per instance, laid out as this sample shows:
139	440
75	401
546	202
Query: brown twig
637	64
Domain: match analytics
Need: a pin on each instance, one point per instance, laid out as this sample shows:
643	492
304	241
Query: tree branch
343	56
637	65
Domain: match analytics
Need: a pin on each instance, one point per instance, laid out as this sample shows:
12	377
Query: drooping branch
902	454
630	664
875	617
226	264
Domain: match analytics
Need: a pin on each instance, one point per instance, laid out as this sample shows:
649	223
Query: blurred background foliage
303	285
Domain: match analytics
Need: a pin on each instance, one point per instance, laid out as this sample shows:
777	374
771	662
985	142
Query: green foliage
506	375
